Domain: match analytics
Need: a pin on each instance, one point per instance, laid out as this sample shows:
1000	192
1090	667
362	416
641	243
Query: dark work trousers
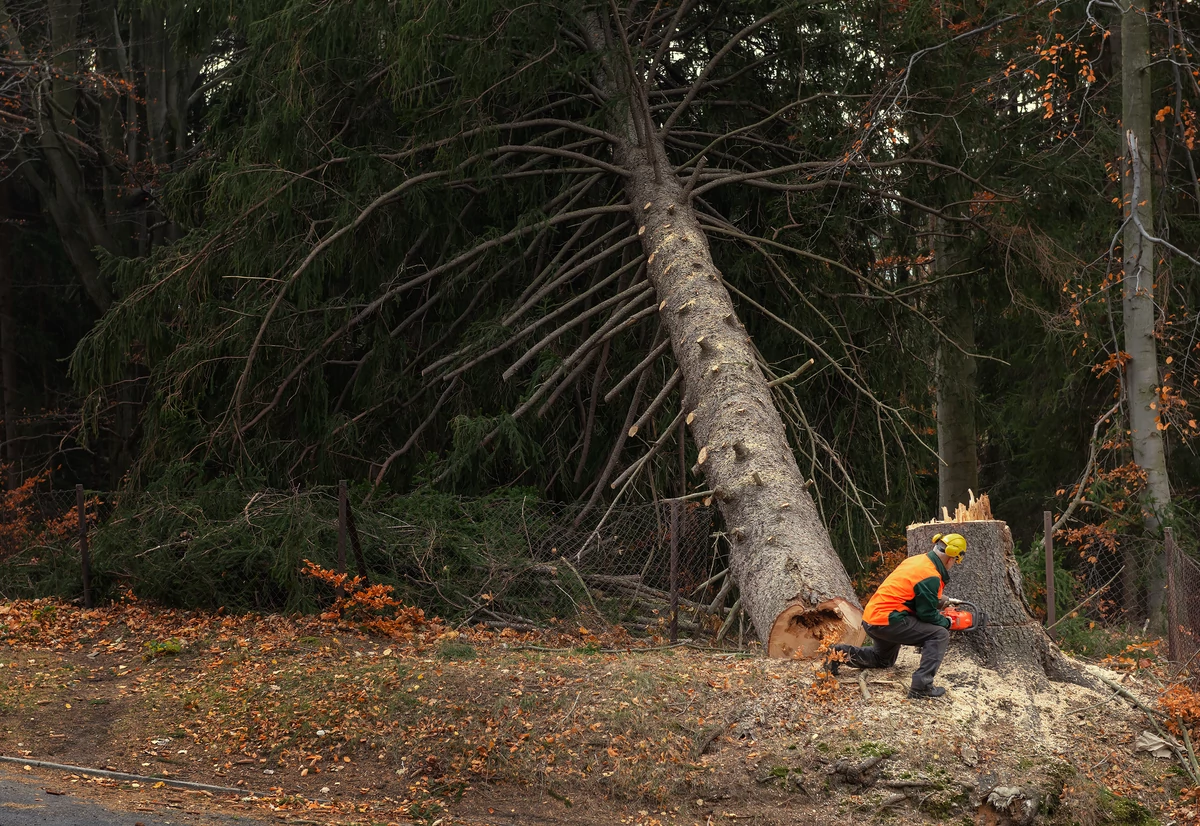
903	630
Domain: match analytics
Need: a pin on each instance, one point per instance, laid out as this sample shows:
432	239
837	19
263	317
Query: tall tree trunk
1141	370
8	350
958	465
793	585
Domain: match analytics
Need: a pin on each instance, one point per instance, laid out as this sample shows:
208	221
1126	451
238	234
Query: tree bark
958	466
1141	370
793	585
1012	640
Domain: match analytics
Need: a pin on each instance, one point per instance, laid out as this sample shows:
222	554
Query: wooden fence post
84	560
341	546
356	543
675	503
1049	520
1174	644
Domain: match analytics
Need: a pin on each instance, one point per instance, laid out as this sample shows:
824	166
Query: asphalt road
24	801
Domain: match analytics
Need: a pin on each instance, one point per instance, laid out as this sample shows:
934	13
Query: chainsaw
964	616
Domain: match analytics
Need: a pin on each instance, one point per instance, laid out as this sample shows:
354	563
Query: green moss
156	649
1124	811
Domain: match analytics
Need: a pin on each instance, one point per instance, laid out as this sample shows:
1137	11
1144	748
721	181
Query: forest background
269	245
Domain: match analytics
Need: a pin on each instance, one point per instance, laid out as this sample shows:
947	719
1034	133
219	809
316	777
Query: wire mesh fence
1183	608
505	561
1148	587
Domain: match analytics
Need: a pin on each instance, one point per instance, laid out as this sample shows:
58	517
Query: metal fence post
1049	520
85	561
675	503
1174	644
341	546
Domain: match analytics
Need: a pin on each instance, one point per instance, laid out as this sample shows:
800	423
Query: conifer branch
362	216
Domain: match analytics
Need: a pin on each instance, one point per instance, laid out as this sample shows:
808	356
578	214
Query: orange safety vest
914	587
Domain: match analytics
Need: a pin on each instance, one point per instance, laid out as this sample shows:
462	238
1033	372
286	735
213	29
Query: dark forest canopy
391	242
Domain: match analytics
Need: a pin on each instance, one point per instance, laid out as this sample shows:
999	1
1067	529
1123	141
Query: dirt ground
306	720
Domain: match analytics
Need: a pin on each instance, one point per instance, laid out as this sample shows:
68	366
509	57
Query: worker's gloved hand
943	602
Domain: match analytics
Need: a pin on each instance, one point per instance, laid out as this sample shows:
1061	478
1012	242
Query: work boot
926	693
832	663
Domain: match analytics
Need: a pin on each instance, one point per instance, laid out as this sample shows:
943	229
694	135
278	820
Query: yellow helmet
951	544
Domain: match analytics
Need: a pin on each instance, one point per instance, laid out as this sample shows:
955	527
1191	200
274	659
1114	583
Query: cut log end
804	632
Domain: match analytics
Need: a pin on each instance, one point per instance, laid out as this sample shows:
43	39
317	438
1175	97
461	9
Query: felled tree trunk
1012	639
793	585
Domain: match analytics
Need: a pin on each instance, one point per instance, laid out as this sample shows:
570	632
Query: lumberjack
905	611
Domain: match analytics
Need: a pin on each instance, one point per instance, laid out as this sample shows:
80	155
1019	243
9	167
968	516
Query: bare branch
416	434
636	293
733	41
638	370
552	151
1081	485
656	402
570	380
667	433
575	269
372	308
590	422
614	454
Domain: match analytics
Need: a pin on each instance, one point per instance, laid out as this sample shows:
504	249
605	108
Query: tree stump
1012	639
